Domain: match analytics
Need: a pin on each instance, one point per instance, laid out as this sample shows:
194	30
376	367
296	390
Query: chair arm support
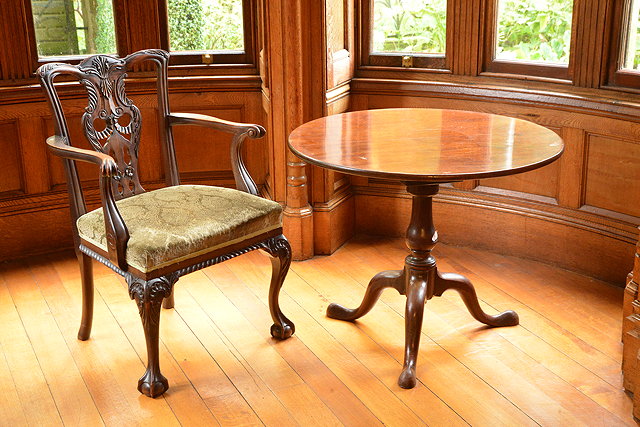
116	230
240	131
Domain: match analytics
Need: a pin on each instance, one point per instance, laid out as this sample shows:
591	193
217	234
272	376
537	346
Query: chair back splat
111	122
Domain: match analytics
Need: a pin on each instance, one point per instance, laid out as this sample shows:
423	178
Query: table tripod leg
414	310
444	281
379	282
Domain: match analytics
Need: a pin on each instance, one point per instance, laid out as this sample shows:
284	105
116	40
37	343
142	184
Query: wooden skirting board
572	239
334	223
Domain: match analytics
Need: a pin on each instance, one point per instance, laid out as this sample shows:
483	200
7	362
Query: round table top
430	145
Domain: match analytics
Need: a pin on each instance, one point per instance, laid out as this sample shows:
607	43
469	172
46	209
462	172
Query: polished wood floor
561	366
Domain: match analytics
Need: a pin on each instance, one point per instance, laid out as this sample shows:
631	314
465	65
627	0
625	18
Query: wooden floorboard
560	366
29	380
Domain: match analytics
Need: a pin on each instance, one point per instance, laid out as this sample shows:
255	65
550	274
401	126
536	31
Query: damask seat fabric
180	222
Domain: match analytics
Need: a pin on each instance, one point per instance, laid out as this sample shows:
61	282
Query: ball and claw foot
152	385
282	332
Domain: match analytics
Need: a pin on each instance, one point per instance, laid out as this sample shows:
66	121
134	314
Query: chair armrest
252	130
240	132
58	145
116	231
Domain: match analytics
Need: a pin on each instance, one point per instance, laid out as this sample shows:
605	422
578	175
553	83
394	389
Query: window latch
207	58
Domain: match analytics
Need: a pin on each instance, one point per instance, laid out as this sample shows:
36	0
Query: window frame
124	22
422	61
617	76
37	60
529	70
204	57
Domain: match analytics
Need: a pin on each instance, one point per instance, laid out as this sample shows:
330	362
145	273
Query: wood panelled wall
581	212
34	215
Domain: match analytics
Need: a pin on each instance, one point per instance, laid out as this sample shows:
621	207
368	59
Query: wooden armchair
153	238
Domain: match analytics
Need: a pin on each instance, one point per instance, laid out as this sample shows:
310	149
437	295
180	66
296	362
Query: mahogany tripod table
423	148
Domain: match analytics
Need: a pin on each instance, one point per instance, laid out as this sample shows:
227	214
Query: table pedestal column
420	280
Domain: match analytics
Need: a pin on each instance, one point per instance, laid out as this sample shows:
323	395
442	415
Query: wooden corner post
295	60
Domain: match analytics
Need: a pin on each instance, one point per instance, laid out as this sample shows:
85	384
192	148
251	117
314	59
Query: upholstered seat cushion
180	222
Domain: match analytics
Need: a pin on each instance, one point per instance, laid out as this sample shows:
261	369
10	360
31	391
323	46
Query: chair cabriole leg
86	272
149	296
280	251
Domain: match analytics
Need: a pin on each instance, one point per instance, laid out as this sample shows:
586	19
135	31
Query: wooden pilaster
295	97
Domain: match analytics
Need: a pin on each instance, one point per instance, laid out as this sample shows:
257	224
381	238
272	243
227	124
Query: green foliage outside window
632	52
185	24
534	30
105	34
409	26
205	25
531	30
74	27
